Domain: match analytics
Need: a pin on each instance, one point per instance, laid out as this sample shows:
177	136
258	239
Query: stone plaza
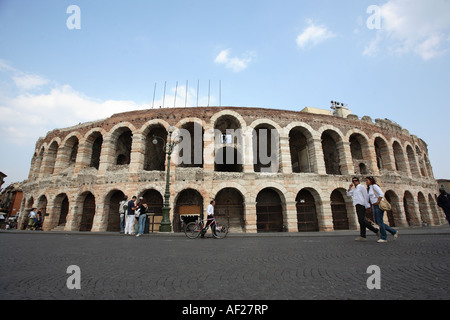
270	266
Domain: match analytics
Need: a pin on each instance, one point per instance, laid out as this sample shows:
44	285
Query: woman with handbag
379	205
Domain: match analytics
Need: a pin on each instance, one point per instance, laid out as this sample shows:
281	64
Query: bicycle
194	229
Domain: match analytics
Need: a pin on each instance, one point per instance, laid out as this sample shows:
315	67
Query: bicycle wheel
221	231
193	230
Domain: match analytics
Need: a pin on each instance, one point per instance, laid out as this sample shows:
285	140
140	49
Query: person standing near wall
122	212
130	216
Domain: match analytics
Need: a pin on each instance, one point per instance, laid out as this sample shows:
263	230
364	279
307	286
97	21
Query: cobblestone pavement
34	266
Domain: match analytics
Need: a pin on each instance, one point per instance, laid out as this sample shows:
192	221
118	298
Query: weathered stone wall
402	168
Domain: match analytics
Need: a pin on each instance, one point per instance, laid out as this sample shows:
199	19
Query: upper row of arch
283	132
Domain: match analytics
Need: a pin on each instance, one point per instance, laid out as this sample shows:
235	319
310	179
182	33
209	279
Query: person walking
122	212
210	214
31	219
375	196
443	201
131	208
361	203
142	217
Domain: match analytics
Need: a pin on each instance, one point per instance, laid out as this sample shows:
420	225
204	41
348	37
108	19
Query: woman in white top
375	196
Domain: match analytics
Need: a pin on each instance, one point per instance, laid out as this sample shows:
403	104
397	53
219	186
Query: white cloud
29	81
34	110
313	35
234	63
413	26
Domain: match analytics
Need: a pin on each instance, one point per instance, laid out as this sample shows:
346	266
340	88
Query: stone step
59	228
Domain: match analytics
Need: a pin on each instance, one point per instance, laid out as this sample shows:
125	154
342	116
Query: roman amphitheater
268	170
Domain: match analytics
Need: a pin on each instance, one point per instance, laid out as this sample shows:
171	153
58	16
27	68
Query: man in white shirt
361	202
210	213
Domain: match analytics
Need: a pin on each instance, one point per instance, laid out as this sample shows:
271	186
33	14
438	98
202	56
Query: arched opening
87	216
359	148
230	208
95	140
269	211
266	149
228	145
191	146
412	162
339	211
228	159
331	153
123	147
399	156
420	158
306	212
155	203
188	208
155	157
394	214
112	203
42	206
382	153
434	210
50	158
423	209
61	208
410	210
301	149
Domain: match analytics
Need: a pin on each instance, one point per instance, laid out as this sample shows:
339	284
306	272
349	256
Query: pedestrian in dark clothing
443	201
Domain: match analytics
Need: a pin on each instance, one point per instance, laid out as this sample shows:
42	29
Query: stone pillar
137	156
107	154
317	156
250	217
290	220
285	155
325	216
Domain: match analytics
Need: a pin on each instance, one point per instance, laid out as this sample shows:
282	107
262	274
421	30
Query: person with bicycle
210	219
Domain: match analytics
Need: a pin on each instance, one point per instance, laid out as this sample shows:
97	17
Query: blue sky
275	54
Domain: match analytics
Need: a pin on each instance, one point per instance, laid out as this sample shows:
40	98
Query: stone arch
111	203
92	147
307	201
85	211
339	210
411	214
155	202
266	140
230	208
333	151
360	152
154	156
434	210
301	147
382	153
228	113
414	168
190	149
49	161
399	157
270	211
395	214
188	207
60	209
424	209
